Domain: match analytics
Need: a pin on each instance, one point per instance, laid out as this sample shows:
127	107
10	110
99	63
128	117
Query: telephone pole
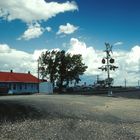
139	73
38	73
125	83
97	78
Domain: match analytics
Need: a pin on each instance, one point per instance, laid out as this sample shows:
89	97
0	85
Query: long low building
12	82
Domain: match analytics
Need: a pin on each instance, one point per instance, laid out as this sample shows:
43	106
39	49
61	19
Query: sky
29	27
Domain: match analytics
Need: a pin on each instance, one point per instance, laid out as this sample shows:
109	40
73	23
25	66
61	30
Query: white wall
46	88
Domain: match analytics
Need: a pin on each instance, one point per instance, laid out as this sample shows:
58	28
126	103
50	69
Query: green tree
49	62
61	67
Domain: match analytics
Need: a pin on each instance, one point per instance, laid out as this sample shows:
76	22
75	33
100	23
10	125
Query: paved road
67	117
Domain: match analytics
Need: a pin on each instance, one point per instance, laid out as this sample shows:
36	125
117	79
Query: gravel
66	129
68	118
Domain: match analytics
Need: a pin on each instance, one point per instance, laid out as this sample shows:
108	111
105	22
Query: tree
49	65
61	67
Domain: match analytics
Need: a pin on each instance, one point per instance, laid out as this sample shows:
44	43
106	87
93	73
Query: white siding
46	88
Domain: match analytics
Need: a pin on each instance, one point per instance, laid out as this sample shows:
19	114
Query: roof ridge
13	72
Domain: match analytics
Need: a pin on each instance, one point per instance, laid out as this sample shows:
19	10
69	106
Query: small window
20	86
10	86
32	86
14	86
25	86
37	86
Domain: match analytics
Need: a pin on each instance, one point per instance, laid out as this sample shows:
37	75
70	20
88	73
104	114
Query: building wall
46	88
21	87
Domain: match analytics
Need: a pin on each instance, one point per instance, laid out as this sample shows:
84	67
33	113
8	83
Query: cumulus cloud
37	54
118	43
127	61
33	10
91	56
49	29
17	60
66	29
34	31
4	48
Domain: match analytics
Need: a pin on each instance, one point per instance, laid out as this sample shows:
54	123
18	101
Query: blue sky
98	21
31	26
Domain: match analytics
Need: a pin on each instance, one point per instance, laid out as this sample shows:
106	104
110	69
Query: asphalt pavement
69	117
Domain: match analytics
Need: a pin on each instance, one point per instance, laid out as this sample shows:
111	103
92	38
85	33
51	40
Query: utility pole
125	83
139	74
38	73
97	78
108	65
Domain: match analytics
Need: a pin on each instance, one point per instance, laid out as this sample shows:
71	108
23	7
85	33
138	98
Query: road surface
69	117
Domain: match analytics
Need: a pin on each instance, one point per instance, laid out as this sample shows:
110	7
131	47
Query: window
20	86
10	86
25	86
37	86
32	86
14	86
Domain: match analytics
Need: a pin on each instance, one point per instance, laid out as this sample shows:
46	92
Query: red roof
17	77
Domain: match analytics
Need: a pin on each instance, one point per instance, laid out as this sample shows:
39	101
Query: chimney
29	72
11	71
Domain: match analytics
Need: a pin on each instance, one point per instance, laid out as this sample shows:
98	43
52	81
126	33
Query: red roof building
17	77
18	82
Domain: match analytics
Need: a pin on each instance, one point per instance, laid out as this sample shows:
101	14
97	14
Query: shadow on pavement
13	111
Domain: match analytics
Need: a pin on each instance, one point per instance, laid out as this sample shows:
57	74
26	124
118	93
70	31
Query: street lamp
108	65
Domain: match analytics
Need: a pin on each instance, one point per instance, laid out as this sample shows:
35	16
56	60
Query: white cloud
33	10
66	29
134	56
4	48
49	29
34	31
91	56
118	43
17	60
127	61
37	53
